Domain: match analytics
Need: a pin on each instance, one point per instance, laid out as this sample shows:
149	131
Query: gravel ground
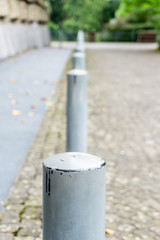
124	129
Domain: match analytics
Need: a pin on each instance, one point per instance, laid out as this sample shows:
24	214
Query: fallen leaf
16	113
13	80
13	102
104	109
23	121
109	232
33	106
30	114
43	99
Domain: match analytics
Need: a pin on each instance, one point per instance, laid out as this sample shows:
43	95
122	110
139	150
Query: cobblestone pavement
124	129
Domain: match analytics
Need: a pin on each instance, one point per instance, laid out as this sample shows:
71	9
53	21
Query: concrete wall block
8	38
23	6
30	12
21	29
15	37
46	35
37	36
30	36
4	8
3	45
37	13
14	9
45	16
25	36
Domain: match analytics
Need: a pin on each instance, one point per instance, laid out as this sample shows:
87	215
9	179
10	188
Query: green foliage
80	14
83	14
143	13
132	16
52	26
120	36
56	11
71	25
109	9
119	24
130	6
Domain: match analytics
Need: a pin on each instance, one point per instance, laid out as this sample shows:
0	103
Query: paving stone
23	238
30	231
6	236
8	228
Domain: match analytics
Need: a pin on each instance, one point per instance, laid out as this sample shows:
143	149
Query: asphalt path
27	82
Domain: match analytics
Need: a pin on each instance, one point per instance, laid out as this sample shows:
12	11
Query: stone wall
22	26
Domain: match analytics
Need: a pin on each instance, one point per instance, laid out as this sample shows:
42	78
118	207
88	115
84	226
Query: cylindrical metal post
80	36
79	47
78	60
74	197
60	37
77	108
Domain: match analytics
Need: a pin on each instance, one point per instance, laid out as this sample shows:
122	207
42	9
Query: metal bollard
78	60
80	36
60	37
77	108
80	47
74	197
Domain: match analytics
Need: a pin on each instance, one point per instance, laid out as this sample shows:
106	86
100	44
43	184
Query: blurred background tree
141	14
55	8
109	10
83	14
89	15
116	19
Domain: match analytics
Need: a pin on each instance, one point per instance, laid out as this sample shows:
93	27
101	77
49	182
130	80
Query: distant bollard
74	197
78	61
60	38
80	36
77	110
80	47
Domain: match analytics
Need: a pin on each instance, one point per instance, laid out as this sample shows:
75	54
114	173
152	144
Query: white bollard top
80	36
74	162
79	54
79	72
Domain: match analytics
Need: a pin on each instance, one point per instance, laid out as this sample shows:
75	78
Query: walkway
124	129
26	84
